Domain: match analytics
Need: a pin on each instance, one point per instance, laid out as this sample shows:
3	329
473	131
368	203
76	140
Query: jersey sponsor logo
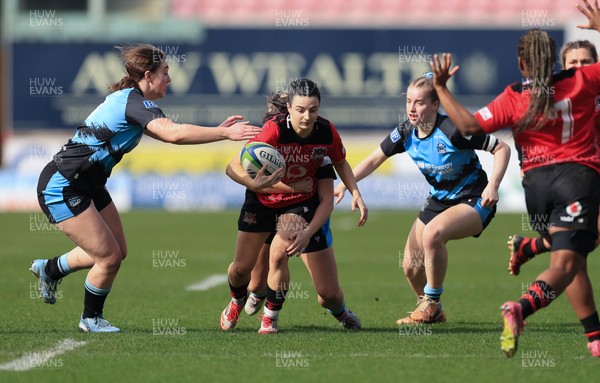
150	104
395	135
485	113
564	218
296	171
74	201
440	147
574	209
435	169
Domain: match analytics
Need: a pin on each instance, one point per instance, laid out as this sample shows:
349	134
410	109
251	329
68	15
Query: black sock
539	295
52	270
275	299
239	292
591	327
93	304
534	247
526	307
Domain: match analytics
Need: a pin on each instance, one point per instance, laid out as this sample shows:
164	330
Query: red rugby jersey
597	118
569	137
303	156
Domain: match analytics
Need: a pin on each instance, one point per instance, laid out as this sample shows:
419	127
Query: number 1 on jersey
566	114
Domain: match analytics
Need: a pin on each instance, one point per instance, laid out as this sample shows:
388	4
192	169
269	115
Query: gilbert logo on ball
256	154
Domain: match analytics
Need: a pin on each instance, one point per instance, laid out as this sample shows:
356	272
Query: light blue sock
433	293
96	290
63	265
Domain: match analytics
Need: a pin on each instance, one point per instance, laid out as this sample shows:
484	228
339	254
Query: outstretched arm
165	130
460	116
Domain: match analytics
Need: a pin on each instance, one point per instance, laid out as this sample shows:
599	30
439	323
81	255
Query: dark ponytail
138	58
276	104
124	83
537	51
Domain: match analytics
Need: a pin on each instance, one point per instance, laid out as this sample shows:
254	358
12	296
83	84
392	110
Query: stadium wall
362	75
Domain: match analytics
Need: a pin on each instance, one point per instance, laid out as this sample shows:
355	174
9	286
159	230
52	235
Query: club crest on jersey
395	135
598	104
574	209
441	147
318	153
150	104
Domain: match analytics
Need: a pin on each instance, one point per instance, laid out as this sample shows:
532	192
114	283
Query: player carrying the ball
305	140
257	287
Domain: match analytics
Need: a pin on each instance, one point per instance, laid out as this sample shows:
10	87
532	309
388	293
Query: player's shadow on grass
336	329
460	327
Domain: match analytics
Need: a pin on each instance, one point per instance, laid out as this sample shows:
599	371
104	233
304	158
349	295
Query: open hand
441	71
240	131
592	14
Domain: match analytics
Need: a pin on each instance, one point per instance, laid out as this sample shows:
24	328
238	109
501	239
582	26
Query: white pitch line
39	358
208	283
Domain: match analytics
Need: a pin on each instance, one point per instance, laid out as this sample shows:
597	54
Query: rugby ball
256	154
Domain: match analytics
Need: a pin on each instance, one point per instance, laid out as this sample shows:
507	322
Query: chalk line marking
39	358
208	283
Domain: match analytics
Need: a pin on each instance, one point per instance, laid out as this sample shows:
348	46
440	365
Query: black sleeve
393	143
480	141
326	170
140	110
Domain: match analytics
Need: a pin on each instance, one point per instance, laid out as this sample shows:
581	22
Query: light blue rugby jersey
445	157
114	128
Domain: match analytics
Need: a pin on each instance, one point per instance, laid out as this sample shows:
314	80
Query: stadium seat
396	13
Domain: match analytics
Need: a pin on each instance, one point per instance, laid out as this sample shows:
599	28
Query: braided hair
537	51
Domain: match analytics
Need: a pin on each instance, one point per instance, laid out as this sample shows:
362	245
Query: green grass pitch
170	334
